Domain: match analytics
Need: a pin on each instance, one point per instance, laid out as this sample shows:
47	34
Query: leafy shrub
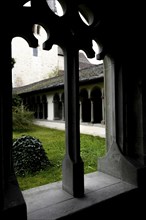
22	119
16	100
28	156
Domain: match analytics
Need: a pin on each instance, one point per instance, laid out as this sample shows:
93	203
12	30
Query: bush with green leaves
22	116
28	155
22	119
16	100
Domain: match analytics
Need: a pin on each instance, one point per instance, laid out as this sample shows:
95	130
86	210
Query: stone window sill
51	202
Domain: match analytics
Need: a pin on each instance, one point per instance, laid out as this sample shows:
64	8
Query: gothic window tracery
77	25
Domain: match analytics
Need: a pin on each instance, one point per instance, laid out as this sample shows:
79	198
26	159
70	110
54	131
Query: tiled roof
85	75
83	61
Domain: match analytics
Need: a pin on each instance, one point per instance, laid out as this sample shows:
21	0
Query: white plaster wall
50	107
61	62
29	68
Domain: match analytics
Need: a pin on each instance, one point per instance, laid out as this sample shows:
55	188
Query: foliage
22	117
54	73
28	155
16	100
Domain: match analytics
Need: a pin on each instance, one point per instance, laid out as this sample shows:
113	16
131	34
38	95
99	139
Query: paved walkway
85	128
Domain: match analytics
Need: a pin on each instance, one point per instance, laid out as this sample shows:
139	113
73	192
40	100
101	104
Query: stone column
92	112
12	204
73	169
63	113
54	109
124	124
48	107
103	108
81	119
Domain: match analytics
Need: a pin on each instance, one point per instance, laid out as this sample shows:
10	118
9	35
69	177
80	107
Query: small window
35	52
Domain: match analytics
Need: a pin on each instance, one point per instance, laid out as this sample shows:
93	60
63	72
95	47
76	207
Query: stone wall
32	65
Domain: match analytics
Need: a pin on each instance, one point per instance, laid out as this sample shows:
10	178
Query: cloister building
46	98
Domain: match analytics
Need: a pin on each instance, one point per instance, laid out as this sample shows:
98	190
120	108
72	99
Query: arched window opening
57	107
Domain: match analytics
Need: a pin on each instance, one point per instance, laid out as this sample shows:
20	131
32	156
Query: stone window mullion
73	170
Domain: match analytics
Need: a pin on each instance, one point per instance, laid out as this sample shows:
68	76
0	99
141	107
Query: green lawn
53	142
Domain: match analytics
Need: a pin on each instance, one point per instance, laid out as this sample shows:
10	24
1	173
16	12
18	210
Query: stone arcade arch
39	108
45	107
85	106
96	105
125	159
33	103
63	110
91	105
57	107
38	105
